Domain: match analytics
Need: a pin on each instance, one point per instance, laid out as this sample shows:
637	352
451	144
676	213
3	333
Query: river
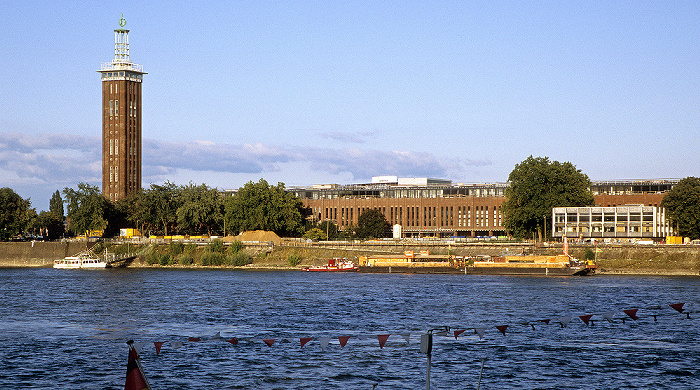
66	329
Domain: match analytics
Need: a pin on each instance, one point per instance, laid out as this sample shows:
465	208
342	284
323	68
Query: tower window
116	148
111	107
116	174
111	147
116	107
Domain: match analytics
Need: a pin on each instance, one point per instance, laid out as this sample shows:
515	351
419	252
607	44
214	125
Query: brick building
121	120
432	207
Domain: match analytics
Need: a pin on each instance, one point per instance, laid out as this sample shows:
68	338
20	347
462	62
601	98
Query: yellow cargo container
675	240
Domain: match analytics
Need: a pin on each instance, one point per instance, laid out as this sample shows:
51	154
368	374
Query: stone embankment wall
37	254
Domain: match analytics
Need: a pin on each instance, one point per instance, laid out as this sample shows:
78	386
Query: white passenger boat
85	259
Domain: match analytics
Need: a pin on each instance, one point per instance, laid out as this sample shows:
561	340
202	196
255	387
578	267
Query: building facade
121	120
621	222
432	207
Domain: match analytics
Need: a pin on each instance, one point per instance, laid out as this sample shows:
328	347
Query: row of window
421	216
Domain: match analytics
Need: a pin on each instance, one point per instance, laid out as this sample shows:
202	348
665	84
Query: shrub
185	259
239	259
166	259
212	258
588	254
153	258
294	259
216	246
176	248
190	249
235	247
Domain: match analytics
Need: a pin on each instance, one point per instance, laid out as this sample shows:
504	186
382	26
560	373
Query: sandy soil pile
256	236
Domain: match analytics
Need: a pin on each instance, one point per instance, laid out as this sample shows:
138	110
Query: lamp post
426	347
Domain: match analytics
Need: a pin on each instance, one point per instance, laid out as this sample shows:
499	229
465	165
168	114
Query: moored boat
83	260
334	265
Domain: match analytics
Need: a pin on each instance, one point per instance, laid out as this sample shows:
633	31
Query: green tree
87	208
50	225
260	206
682	206
15	213
538	185
315	234
372	224
156	208
200	210
330	229
56	205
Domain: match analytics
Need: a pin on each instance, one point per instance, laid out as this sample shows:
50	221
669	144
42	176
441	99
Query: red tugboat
334	265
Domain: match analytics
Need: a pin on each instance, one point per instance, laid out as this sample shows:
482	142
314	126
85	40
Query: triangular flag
216	336
158	345
564	321
502	328
546	321
139	346
233	340
459	332
269	342
135	379
194	339
324	342
343	340
407	337
586	318
608	315
632	313
176	344
305	340
382	339
480	332
678	306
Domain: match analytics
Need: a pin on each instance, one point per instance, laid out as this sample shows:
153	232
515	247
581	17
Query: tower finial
122	21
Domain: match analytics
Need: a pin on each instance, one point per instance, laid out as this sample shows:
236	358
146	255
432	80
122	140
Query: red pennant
135	379
382	339
632	313
546	321
343	340
195	339
502	328
269	342
305	340
459	332
586	318
233	340
678	306
158	345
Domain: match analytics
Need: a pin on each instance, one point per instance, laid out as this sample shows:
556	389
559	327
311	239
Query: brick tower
121	120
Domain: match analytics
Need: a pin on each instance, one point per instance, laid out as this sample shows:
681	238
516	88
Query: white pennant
324	342
480	332
138	346
608	315
407	337
216	336
564	320
176	344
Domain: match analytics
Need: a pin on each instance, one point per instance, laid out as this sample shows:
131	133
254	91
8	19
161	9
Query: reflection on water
65	329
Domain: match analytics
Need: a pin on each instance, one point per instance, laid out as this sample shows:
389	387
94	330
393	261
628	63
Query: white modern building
621	222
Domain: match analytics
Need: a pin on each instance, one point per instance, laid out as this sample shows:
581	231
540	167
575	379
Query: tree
538	185
50	225
87	209
260	206
372	224
56	204
329	228
682	206
156	208
15	213
200	209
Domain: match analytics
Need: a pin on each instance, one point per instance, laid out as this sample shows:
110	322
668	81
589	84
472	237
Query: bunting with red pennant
135	378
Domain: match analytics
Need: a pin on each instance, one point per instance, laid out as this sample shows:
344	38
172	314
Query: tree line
171	209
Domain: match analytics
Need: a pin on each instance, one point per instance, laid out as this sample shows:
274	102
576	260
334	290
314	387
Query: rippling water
66	329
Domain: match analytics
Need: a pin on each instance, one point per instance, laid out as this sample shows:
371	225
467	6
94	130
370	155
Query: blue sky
308	92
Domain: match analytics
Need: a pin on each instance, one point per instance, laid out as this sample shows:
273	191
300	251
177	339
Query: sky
312	92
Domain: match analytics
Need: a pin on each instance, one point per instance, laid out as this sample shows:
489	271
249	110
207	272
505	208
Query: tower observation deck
121	120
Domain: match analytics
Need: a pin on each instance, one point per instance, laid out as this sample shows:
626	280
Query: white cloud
54	161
